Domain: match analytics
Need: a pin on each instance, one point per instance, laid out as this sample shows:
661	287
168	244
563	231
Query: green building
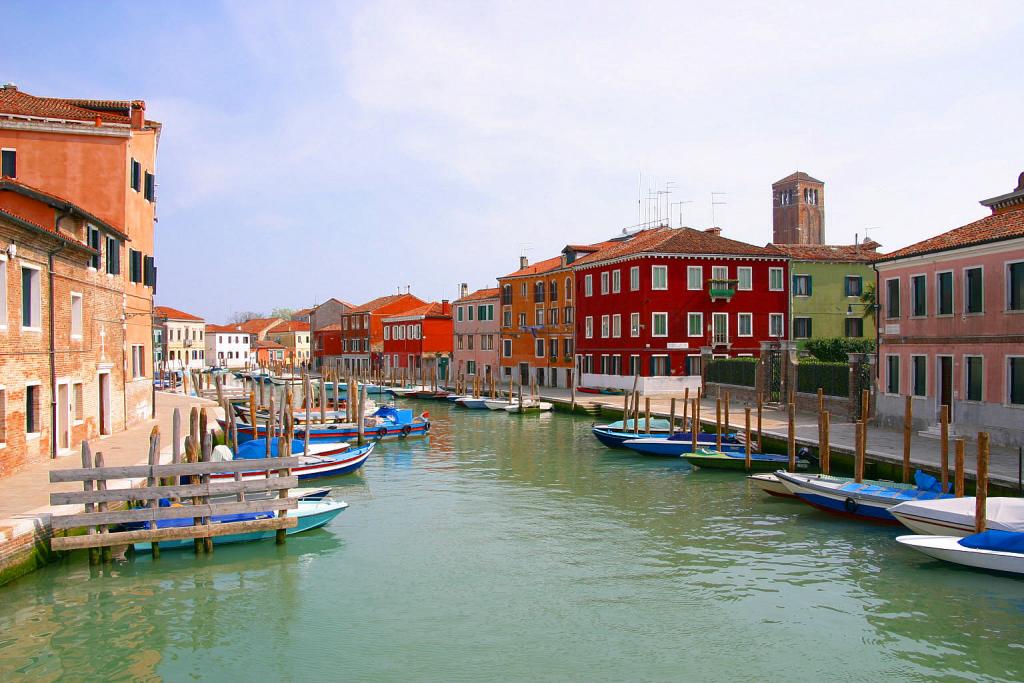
826	288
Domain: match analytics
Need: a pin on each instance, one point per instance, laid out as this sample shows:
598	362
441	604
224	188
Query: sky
314	150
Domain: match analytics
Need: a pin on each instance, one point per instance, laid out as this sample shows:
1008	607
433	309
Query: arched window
538	291
568	288
554	290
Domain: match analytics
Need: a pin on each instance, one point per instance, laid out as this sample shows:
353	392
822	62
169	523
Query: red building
420	339
362	332
647	306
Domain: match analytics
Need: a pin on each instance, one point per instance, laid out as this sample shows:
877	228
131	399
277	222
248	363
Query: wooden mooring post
718	424
746	440
958	476
672	416
825	448
791	438
908	415
981	495
944	446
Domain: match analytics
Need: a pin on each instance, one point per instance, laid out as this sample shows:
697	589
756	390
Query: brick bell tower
798	210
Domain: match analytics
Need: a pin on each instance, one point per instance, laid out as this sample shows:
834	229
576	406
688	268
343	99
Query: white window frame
654	277
634	324
888	378
634	279
952	294
802	317
739	324
740	270
699	315
1006	285
538	347
719	272
782	279
387	333
616	281
1007	378
616	326
588	285
605	326
913	374
32	436
506	348
781	317
699	271
654	327
910	286
37	304
588	327
76	316
605	279
966	294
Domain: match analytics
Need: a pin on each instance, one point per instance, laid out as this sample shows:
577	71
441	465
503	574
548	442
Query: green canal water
517	548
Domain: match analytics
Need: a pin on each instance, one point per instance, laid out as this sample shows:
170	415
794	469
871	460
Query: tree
241	316
282	313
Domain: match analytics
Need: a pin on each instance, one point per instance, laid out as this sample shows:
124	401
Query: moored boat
955	516
868	499
473	403
385	423
994	550
759	462
529	407
770	484
681	443
322	459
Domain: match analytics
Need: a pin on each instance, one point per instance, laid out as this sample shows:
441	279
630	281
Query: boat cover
888	492
705	437
994	539
256	449
927	482
1003	513
656	423
396	415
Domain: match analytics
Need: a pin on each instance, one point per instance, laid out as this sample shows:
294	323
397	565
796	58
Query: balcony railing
721	288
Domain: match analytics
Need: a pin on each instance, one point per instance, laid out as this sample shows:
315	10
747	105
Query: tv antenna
716	202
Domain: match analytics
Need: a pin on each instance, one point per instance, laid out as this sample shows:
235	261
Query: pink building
477	330
951	326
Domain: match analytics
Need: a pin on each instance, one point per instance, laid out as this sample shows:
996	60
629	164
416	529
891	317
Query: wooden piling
981	495
94	553
908	415
958	476
153	460
647	415
101	485
791	438
726	408
944	446
323	399
825	448
636	412
625	411
686	405
696	425
746	440
760	405
361	415
672	416
206	456
718	424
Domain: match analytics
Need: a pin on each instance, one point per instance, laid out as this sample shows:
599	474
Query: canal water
517	548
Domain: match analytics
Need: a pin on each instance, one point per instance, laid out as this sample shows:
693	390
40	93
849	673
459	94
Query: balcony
722	289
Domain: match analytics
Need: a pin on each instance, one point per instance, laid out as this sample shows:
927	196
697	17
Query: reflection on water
517	548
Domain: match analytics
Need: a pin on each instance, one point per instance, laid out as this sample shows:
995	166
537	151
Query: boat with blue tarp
720	460
386	422
681	443
321	460
994	549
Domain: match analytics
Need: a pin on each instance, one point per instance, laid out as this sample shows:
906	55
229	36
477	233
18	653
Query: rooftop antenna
715	202
639	199
680	205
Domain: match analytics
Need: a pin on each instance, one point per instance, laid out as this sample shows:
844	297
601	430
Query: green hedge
739	371
832	378
834	349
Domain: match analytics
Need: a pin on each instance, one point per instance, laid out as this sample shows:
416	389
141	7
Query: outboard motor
805	454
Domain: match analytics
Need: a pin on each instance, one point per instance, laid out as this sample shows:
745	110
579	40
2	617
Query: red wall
677	301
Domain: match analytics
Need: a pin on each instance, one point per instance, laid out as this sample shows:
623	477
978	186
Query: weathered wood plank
215	488
153	514
143	535
173	470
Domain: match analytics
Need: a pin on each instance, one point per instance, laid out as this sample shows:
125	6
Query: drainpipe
52	342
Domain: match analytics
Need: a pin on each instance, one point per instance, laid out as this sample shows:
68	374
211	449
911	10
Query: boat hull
868	500
948	549
771	485
346	461
671	448
759	462
473	403
955	516
340	433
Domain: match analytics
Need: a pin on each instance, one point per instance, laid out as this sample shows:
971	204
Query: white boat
498	403
404	391
529	407
286	378
473	403
952	549
770	484
955	516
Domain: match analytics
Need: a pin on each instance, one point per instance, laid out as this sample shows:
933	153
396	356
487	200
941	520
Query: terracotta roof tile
290	326
257	325
266	344
15	102
1001	226
798	175
173	314
428	310
333	327
42	228
545	266
228	329
374	304
849	253
491	293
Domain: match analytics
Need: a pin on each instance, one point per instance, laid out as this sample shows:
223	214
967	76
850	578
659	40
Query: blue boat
310	514
479	403
342	391
867	499
322	460
681	443
616	437
386	423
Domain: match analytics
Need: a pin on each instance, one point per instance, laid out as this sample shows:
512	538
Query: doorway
63	426
945	368
104	403
524	374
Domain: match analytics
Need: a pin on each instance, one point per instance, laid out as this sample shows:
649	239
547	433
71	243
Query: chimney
463	290
523	262
446	307
138	114
714	231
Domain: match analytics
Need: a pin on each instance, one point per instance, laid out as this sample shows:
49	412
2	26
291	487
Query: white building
227	347
183	338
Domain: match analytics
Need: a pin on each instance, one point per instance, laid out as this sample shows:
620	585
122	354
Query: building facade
952	326
477	333
99	156
267	352
418	341
798	210
257	328
362	330
646	307
294	336
226	347
328	313
184	337
827	285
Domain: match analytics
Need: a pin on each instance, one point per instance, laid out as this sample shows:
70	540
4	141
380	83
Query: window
93	235
553	316
975	378
719	272
568	288
113	256
540	347
470	367
3	295
139	360
506	295
695	324
522	290
694	277
588	327
568	319
588	285
78	401
30	298
604	283
659	277
33	409
149	190
506	348
9	163
469	341
944	293
538	292
634	324
745	277
919	375
616	326
801	328
634	365
854	285
616	281
892	298
775	280
76	315
506	318
1015	379
973	291
745	324
522	320
659	324
892	374
1015	286
659	366
854	327
387	333
604	326
134	265
918	295
136	178
538	316
775	324
553	290
801	285
459	313
634	279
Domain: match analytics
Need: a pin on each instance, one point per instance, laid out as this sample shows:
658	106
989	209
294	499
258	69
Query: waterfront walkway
884	445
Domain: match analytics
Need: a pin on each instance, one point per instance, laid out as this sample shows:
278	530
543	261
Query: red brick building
362	330
647	306
420	339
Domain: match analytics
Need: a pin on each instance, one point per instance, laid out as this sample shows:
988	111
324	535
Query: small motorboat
955	516
657	425
770	484
994	550
386	422
681	443
299	416
759	462
613	436
371	389
405	391
322	459
868	499
529	407
473	403
497	403
302	493
311	514
285	378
